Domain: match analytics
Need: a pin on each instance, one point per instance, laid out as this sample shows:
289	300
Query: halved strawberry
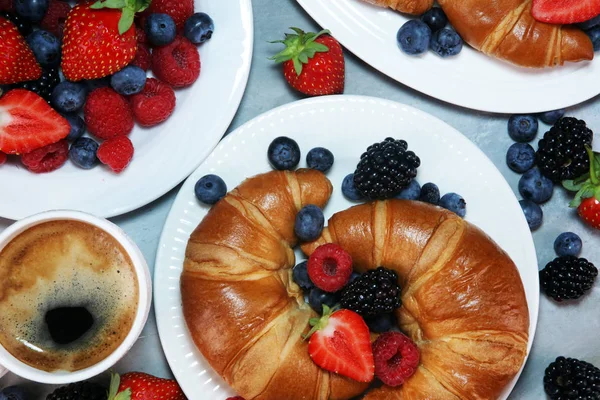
565	11
27	122
340	342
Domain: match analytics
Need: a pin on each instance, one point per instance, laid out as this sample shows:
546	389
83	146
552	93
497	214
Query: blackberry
79	391
385	169
375	292
43	86
561	153
24	26
569	378
567	277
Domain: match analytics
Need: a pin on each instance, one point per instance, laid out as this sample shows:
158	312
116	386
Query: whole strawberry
16	58
141	386
587	199
313	63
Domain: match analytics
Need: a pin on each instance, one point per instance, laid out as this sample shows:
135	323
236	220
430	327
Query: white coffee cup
145	297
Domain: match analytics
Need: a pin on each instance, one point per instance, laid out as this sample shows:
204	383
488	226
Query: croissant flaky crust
415	7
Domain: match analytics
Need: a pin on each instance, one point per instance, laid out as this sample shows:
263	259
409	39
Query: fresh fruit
320	159
430	193
3	158
564	11
48	158
79	391
318	298
455	203
199	28
143	57
130	80
43	86
14	393
160	29
313	63
411	192
56	17
520	157
569	378
340	342
140	35
385	169
375	292
23	25
309	223
589	211
69	97
108	114
33	10
590	23
536	187
45	47
568	244
533	214
116	153
141	386
300	275
594	35
349	190
27	123
210	188
236	398
330	267
17	59
179	10
177	64
414	37
435	19
154	104
396	358
381	323
283	153
588	191
83	153
77	126
551	117
522	128
567	277
446	43
561	153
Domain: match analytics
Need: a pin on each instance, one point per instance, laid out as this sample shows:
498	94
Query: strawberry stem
115	382
299	48
128	9
320	323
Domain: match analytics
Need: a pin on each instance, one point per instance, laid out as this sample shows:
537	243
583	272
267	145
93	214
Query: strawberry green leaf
115	382
572	186
142	5
118	4
126	20
297	65
300	47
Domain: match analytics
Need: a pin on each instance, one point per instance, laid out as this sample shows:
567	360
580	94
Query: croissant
415	7
463	301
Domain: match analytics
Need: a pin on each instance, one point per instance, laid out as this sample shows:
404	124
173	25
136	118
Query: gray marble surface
569	329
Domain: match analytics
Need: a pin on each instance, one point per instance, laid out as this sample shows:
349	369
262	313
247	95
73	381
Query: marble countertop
563	329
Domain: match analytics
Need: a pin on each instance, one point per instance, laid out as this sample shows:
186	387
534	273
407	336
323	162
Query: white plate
471	79
164	155
346	125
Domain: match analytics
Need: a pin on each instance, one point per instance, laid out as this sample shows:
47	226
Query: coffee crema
68	295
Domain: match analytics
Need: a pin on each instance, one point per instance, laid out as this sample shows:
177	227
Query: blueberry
455	203
411	192
77	126
210	188
83	153
130	80
69	96
309	223
13	393
381	323
160	29
590	23
430	193
522	128
413	37
435	19
45	47
318	297
284	153
446	43
94	84
300	275
551	117
594	35
33	10
354	276
535	187
349	190
520	157
533	214
568	244
320	159
199	28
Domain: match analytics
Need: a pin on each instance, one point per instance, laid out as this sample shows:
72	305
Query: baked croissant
463	301
415	7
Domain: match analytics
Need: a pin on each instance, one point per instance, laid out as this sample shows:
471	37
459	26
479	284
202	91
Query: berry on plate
154	104
300	276
551	117
313	63
17	60
587	198
590	23
455	203
160	29
520	157
343	329
108	114
48	158
536	187
79	391
522	128
569	378
375	292
130	80
330	267
309	223
320	159
435	19
43	86
564	11
55	18
411	192
567	277
446	43
594	35
139	385
69	97
396	358
116	153
283	153
210	188
533	214
430	193
381	323
318	298
349	190
568	244
14	393
32	10
199	28
3	158
83	153
77	126
177	63
143	57
45	47
179	10
414	37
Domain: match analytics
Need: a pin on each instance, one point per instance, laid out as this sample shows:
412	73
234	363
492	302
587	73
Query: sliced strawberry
340	342
27	123
565	11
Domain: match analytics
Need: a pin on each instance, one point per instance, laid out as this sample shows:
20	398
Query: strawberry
179	10
16	58
587	199
340	342
565	11
99	38
313	63
141	386
27	123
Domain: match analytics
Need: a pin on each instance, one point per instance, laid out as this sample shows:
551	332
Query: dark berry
551	117
210	188
520	157
411	192
320	159
354	276
79	391
128	81
536	187
69	96
43	86
83	153
77	126
318	297
435	19
300	275
160	29
568	244
309	223
45	47
14	393
349	190
533	214
381	323
23	25
284	153
199	28
375	292
446	43
413	37
567	277
589	23
522	128
594	34
569	378
430	193
455	203
33	10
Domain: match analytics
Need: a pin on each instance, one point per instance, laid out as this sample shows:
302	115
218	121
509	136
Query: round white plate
346	125
165	154
470	79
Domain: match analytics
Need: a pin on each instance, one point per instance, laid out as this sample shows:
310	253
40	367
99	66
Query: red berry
236	398
177	64
154	104
396	358
55	18
116	152
143	57
179	10
2	158
330	267
47	158
107	114
141	35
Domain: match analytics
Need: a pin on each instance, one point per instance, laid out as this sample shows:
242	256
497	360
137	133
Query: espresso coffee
68	296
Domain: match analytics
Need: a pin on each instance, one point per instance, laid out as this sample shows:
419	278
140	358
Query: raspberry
2	158
177	64
143	57
116	152
107	114
396	358
141	35
154	104
48	158
330	267
55	18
